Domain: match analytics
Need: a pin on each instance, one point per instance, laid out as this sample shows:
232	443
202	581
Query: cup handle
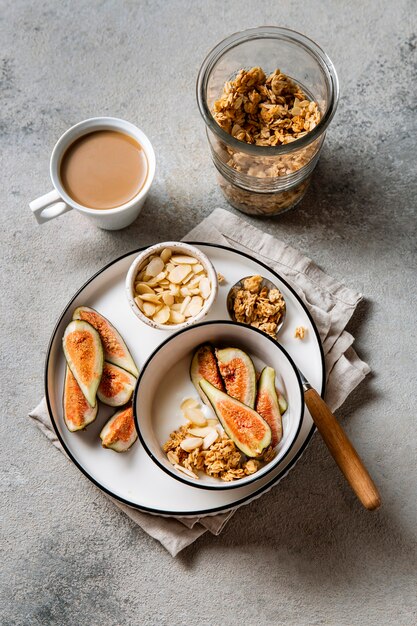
48	207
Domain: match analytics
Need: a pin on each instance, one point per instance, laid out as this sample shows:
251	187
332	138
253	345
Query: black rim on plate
212	510
233	484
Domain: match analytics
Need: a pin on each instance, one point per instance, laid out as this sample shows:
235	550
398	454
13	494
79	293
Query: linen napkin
331	304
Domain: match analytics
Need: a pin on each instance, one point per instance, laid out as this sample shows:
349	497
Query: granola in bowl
215	454
256	304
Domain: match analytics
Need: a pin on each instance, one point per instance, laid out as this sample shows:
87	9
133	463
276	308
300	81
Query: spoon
329	428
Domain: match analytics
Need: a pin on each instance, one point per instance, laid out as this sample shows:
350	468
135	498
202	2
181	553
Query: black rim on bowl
208	511
232	484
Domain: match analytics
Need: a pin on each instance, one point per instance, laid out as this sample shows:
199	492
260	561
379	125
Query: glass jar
267	180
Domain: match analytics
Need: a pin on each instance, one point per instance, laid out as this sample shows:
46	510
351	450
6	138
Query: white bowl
165	381
180	248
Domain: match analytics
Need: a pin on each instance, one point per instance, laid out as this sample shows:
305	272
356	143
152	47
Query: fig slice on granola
245	427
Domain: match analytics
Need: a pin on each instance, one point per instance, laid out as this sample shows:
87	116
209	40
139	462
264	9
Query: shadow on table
352	198
313	525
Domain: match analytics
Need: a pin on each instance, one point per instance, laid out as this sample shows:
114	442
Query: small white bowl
165	381
179	248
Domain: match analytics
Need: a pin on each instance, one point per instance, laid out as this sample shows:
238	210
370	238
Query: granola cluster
258	306
253	203
300	332
265	110
221	460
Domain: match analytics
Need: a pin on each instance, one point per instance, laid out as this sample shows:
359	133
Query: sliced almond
166	254
176	306
162	316
189	403
176	318
185	303
168	298
141	288
140	303
205	287
149	309
194	281
155	266
174	289
194	307
210	438
182	259
198	268
188	278
185	471
211	422
140	276
202	432
150	297
172	457
195	416
191	443
184	291
179	272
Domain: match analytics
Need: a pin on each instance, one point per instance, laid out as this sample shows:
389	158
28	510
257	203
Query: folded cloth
331	305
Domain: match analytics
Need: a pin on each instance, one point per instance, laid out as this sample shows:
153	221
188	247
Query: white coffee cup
58	202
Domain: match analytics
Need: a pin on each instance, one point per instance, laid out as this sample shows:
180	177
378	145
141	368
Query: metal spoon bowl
333	434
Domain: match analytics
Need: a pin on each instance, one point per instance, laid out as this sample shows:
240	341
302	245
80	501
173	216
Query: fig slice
204	365
119	433
84	354
245	427
282	402
116	385
77	412
115	349
238	373
267	403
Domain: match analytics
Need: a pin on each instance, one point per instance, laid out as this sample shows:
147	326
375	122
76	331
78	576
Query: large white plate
133	478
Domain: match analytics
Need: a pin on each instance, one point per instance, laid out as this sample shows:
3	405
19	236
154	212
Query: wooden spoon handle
342	450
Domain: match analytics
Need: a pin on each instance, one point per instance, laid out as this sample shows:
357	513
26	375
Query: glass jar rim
267	32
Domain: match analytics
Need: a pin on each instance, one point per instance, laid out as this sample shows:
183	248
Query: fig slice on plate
204	365
77	412
267	403
116	385
238	373
115	349
245	427
119	433
84	354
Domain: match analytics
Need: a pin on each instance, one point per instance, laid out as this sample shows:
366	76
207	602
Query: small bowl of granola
171	285
218	405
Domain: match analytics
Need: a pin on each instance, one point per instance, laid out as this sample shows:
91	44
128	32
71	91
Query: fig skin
238	373
114	346
267	403
245	427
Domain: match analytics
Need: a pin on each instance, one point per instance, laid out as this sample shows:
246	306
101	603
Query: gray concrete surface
305	553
